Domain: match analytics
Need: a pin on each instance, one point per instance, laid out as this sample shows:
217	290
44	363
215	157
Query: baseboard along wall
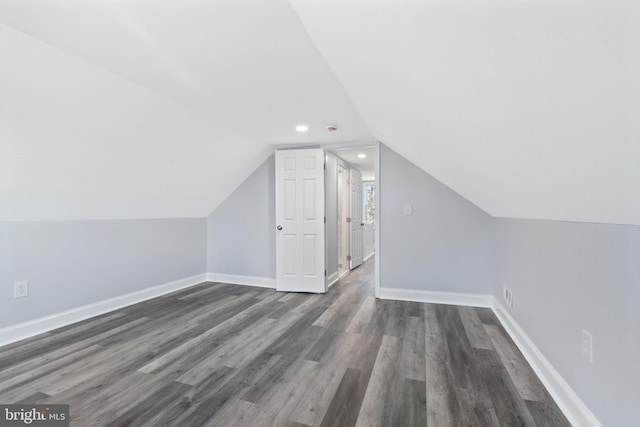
473	300
569	402
332	279
234	279
44	324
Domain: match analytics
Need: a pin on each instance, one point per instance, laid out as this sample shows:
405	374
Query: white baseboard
571	405
475	300
568	401
54	321
332	279
368	256
262	282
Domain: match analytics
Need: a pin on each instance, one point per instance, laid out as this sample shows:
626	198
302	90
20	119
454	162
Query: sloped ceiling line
153	109
528	110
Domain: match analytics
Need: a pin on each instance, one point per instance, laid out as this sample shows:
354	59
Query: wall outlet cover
508	296
21	289
587	345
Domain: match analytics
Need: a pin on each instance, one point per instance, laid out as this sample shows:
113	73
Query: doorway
352	172
336	207
342	224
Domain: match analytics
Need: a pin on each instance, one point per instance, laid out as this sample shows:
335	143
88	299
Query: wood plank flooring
225	355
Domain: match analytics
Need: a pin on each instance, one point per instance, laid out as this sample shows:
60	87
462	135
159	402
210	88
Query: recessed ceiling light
302	128
362	156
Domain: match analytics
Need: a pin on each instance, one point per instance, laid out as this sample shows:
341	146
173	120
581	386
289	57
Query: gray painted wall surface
241	237
368	240
331	210
445	246
566	277
246	220
73	263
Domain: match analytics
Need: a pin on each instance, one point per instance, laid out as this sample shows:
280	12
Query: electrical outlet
21	290
508	296
587	346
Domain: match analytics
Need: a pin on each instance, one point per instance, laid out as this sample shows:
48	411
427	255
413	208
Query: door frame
355	223
356	144
346	207
374	223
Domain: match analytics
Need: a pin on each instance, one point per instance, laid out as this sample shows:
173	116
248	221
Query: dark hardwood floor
226	355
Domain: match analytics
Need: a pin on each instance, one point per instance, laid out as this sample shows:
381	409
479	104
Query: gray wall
368	240
73	263
241	236
246	221
566	277
446	245
331	210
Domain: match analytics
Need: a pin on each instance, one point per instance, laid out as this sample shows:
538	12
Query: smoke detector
332	128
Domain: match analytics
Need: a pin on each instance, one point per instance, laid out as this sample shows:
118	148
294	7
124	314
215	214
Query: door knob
279	228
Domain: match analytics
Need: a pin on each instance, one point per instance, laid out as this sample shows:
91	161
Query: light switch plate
408	209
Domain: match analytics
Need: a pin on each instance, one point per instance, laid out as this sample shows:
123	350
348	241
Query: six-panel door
300	220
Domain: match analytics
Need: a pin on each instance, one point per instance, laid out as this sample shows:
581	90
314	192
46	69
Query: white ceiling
528	109
136	109
247	63
366	165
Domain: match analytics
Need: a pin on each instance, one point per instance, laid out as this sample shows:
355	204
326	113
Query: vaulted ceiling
141	109
125	109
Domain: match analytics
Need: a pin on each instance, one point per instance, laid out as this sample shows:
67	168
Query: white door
355	226
300	220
